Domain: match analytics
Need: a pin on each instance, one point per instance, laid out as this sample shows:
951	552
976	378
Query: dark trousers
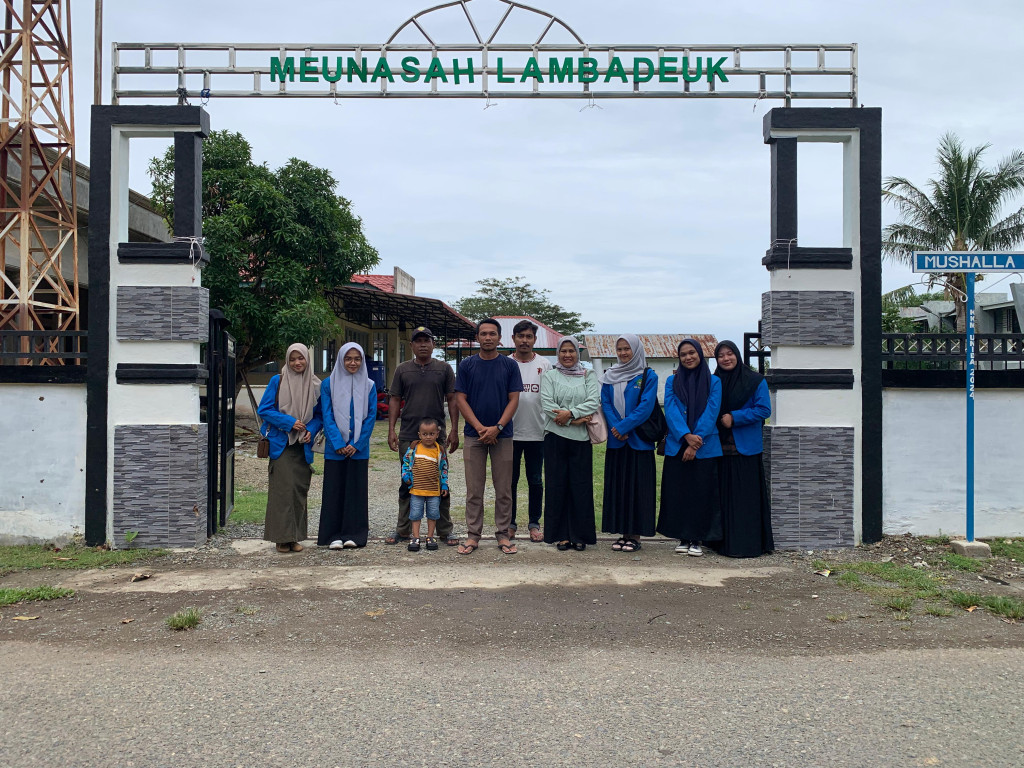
344	513
404	527
532	451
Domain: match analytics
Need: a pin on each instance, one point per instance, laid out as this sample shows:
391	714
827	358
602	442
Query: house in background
547	337
660	349
996	313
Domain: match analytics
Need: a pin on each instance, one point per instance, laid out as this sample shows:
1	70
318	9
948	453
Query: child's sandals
431	543
414	545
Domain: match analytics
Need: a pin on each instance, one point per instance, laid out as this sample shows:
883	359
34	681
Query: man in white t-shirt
528	427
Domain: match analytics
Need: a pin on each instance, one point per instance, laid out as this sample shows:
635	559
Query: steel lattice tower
38	206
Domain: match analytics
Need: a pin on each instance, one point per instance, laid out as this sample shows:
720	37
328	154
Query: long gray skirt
287	516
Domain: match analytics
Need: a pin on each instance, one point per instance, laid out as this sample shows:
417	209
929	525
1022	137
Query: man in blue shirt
487	388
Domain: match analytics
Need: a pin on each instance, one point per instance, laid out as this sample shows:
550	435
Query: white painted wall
663	366
924	456
42	475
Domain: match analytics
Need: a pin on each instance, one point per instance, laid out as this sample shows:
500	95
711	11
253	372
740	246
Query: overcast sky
643	215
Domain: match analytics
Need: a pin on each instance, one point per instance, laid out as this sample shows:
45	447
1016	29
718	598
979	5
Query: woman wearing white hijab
630	478
348	400
290	420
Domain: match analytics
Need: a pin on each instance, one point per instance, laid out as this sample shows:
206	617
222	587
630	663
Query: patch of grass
918	583
936	540
74	556
250	506
247	610
850	579
938	610
1014	549
743	606
12	596
963	599
961	563
899	603
837	618
185	619
819	565
901	616
1010	607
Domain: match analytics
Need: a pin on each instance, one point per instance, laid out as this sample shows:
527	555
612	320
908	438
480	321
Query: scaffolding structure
39	294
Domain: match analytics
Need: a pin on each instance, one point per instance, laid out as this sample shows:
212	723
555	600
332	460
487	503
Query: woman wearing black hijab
746	512
690	508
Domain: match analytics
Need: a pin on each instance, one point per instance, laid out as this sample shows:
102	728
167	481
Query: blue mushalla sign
970	262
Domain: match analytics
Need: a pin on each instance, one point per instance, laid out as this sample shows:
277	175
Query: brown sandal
296	547
282	548
468	547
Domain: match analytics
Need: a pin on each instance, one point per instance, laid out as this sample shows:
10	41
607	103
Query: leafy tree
513	296
961	213
899	298
276	239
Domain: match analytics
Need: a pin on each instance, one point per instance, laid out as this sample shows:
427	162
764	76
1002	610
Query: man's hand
453	442
488	435
690	454
693	441
392	440
727	421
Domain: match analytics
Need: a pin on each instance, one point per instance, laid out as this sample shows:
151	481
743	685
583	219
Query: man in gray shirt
425	384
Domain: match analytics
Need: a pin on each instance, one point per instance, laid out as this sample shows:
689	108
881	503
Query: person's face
297	361
567	355
726	359
428	435
524	341
623	351
487	337
422	346
353	361
688	357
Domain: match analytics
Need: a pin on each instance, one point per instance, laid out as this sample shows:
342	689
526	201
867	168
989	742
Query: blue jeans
419	504
531	453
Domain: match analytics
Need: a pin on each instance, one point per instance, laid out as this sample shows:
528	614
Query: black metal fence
56	348
947	351
755	349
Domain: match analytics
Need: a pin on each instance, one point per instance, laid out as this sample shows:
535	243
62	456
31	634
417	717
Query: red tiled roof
384	283
547	337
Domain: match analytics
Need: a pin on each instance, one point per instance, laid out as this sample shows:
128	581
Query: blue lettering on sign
980	261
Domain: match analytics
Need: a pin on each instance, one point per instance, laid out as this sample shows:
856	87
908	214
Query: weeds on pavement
187	618
34	556
12	596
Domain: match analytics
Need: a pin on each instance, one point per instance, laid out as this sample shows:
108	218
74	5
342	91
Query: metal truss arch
414	21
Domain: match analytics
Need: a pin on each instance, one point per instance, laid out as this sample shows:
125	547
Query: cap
422	330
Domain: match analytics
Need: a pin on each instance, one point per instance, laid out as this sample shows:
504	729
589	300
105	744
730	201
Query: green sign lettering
501	75
532	69
667	69
615	69
279	70
353	68
435	71
561	73
686	70
467	71
410	69
588	70
647	74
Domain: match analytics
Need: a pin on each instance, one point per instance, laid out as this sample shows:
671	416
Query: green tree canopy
960	211
514	296
276	240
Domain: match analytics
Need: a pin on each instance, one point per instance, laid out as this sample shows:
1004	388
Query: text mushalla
584	69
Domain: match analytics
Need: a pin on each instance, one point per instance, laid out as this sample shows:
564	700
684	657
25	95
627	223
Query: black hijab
692	387
739	384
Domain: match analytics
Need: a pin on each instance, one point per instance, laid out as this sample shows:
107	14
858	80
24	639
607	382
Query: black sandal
431	543
414	545
562	546
618	544
631	545
579	547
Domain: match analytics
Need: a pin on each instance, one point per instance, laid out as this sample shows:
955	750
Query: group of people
520	412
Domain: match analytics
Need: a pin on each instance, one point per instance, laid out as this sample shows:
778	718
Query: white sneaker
336	544
349	544
683	548
695	550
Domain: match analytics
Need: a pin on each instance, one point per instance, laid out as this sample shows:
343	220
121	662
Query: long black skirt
345	513
568	490
691	509
746	510
629	492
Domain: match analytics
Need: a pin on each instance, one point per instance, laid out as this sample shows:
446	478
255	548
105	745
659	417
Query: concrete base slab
971	548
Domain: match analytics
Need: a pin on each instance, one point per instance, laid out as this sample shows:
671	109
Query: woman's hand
727	421
349	450
693	441
583	419
306	437
562	416
619	436
298	425
690	454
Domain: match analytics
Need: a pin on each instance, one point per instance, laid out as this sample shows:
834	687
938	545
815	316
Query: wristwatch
501	427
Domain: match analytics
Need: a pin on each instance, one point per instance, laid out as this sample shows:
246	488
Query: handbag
655	427
597	427
319	442
263	448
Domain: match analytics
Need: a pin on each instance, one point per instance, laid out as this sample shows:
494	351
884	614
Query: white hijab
349	390
620	374
297	392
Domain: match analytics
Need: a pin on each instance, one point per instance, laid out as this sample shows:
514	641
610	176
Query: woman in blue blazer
291	418
746	511
690	508
348	400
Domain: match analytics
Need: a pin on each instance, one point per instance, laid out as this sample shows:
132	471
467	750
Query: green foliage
276	239
31	557
187	618
1012	548
513	296
961	563
960	211
12	596
250	506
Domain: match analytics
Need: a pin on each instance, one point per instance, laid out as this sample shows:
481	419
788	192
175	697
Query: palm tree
961	214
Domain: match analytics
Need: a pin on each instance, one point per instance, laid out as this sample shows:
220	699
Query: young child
425	471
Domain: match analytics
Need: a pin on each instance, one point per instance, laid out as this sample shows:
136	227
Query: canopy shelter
379	310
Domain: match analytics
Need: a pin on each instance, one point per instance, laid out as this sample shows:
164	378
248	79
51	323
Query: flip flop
452	541
508	548
536	535
468	547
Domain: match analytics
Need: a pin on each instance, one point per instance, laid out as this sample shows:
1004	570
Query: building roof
381	310
602	345
384	283
547	337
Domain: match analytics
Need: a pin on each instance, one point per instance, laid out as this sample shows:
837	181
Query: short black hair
489	321
429	422
525	325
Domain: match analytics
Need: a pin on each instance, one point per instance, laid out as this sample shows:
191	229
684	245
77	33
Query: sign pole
970	358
